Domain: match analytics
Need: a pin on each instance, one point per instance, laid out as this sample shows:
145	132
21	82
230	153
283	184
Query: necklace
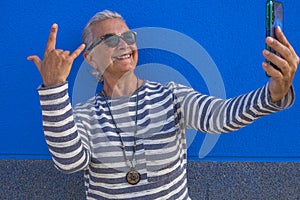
133	176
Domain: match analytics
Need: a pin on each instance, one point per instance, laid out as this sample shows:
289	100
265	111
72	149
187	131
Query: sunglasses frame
106	36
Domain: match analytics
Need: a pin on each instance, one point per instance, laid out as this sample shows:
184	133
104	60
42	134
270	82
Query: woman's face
113	61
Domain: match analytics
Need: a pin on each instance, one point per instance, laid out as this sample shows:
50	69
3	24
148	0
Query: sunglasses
113	40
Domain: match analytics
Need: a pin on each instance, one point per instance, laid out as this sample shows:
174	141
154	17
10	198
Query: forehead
115	25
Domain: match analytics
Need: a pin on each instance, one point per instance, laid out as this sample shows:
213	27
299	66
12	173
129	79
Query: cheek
102	58
135	58
135	55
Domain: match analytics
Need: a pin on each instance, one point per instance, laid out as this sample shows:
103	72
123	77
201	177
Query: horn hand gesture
56	65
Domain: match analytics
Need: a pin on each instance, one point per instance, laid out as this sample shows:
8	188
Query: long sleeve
61	133
213	115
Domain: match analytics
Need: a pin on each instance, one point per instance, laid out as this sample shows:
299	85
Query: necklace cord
131	163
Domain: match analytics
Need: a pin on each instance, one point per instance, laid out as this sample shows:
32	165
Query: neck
117	87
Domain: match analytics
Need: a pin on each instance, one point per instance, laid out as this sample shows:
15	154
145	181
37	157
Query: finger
285	60
271	71
283	40
51	39
58	51
282	64
36	60
280	48
77	52
65	53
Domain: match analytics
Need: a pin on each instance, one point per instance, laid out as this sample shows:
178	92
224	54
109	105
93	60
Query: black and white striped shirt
84	138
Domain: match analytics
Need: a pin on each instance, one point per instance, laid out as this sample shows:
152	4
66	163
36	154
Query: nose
122	44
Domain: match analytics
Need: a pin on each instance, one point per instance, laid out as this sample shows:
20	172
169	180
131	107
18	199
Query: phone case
274	18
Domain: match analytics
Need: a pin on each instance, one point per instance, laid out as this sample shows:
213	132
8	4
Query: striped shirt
84	138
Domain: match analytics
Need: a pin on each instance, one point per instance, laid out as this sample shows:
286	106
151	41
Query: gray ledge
38	179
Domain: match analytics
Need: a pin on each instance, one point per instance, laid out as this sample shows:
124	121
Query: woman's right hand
57	63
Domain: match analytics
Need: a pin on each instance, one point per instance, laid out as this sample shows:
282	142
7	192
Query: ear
88	58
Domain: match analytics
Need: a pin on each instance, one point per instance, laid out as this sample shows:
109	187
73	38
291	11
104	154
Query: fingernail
270	39
279	28
265	64
54	25
266	52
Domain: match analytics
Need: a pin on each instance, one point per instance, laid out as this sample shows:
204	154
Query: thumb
36	60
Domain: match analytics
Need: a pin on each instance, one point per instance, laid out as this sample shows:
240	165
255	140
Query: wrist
52	84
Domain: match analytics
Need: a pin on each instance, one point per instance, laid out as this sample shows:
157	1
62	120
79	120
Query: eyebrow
115	33
110	34
105	35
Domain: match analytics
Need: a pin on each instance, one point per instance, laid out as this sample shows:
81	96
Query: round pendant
133	177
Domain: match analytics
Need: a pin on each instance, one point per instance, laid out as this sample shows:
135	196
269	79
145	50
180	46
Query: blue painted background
232	32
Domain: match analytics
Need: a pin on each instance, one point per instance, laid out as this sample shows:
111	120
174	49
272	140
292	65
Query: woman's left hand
280	81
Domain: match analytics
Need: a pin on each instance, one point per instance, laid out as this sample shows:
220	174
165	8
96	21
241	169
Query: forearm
213	115
62	137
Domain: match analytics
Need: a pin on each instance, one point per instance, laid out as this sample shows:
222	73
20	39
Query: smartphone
274	18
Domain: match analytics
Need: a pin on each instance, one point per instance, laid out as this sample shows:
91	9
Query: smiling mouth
124	56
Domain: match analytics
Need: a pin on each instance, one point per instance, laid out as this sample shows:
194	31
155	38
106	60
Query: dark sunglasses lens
112	41
129	37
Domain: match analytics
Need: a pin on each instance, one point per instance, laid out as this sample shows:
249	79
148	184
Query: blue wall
231	32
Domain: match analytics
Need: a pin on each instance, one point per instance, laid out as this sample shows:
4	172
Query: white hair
88	37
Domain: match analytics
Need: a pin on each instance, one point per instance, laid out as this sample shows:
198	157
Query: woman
130	138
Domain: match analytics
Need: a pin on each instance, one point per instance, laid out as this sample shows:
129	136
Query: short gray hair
88	36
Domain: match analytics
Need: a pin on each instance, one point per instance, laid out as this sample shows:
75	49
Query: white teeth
125	56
